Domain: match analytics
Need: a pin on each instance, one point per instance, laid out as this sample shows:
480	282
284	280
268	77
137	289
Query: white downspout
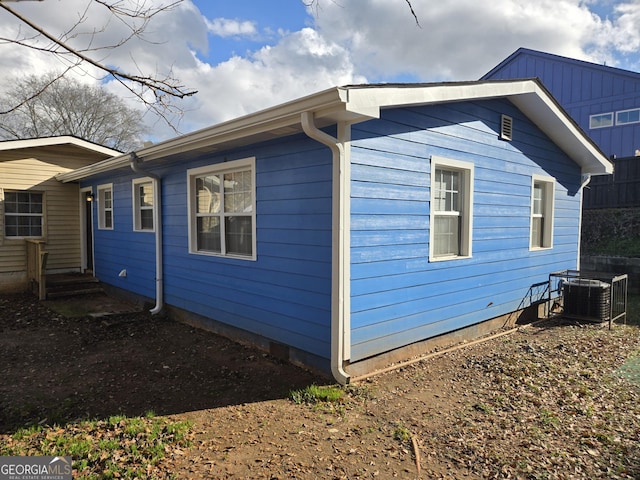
586	178
338	276
157	223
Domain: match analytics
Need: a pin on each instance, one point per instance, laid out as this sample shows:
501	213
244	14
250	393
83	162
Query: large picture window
222	209
143	204
23	214
542	195
105	207
451	209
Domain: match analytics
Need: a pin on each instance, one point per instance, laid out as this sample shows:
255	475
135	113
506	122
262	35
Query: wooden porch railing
36	266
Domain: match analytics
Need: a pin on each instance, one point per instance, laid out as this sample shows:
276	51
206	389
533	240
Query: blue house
346	229
605	101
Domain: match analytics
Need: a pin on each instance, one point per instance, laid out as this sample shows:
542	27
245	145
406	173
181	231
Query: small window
222	209
105	207
143	204
451	209
601	120
542	196
23	213
624	117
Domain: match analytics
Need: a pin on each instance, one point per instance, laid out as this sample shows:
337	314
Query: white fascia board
361	98
527	95
61	140
557	125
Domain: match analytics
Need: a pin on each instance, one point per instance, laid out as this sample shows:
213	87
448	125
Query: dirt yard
555	400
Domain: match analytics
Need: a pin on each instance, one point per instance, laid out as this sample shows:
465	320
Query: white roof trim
528	95
353	104
53	141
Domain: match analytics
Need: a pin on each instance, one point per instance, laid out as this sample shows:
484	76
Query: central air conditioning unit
587	299
589	296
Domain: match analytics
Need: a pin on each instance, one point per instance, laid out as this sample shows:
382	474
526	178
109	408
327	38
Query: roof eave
59	140
328	106
358	103
529	95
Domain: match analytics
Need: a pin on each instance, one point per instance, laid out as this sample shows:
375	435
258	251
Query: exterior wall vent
506	128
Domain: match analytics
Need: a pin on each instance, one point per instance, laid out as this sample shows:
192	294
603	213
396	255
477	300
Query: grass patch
118	447
317	394
402	434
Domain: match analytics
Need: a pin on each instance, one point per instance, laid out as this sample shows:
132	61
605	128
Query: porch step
69	284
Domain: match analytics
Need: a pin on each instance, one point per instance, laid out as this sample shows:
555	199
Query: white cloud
224	27
164	44
300	64
627	32
463	39
346	42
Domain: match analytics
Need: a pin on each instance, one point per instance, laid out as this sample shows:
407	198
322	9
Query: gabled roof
358	103
61	145
558	58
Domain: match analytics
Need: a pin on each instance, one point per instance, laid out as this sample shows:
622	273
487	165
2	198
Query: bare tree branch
164	89
39	91
52	104
413	12
158	86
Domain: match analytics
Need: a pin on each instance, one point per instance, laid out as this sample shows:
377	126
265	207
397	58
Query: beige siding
61	220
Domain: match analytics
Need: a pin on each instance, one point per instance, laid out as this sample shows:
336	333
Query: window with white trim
222	209
542	199
624	117
142	204
601	120
451	210
23	214
105	206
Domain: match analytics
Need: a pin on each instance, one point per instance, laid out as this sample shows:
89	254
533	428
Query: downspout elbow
157	219
337	322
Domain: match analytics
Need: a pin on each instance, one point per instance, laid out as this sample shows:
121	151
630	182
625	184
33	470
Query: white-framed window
542	200
601	120
451	210
105	206
624	117
222	209
23	214
142	196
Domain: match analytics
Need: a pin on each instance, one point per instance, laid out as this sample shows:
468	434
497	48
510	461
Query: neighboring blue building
352	223
605	101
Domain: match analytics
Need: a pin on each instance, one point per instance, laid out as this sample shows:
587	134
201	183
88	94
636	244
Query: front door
87	199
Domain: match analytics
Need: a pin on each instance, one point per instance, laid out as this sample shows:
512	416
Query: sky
246	55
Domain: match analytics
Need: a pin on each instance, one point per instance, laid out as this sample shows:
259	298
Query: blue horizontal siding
121	248
397	295
285	294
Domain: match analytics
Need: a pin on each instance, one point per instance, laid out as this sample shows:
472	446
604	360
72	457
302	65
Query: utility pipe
338	268
157	223
586	178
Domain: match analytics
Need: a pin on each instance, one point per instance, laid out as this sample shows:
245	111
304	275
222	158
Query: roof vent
506	127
